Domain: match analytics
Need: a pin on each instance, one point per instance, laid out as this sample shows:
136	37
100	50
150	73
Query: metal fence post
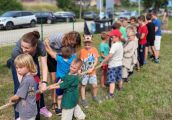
41	29
73	25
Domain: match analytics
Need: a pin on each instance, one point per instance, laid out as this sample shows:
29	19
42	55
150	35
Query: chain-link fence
8	38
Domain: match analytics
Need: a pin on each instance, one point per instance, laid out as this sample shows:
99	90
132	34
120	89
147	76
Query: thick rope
53	86
86	72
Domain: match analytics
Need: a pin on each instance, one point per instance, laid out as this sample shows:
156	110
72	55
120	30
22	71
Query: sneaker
18	119
151	56
84	103
157	60
45	112
125	79
109	97
145	62
120	88
58	111
96	99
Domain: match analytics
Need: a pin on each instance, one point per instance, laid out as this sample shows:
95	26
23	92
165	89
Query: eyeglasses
130	36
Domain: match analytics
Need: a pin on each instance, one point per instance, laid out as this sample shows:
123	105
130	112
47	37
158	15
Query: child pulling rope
53	86
48	88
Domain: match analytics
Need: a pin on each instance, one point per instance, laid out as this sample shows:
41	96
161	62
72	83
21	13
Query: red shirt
143	29
37	80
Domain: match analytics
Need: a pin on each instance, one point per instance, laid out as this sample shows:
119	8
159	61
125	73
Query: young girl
62	68
104	50
26	94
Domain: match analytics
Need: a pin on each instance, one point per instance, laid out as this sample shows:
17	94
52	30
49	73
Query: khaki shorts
157	43
67	114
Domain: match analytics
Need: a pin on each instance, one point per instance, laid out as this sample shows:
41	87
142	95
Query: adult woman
30	43
57	41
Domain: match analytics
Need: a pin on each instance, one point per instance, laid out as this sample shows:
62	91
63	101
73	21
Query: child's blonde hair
25	60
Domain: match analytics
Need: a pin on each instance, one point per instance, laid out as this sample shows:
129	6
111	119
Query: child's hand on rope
101	64
80	72
55	86
91	70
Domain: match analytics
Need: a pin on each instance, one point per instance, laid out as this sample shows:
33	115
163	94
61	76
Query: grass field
147	96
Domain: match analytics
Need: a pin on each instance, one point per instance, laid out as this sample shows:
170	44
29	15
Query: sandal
53	106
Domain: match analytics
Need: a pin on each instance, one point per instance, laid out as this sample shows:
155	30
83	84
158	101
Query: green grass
147	96
170	25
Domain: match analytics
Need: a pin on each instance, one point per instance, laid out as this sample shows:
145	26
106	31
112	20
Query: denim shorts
114	74
58	90
89	79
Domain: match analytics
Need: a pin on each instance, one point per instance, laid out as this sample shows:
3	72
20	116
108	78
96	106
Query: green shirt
104	48
123	31
71	92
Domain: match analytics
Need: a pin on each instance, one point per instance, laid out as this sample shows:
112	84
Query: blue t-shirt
157	23
63	66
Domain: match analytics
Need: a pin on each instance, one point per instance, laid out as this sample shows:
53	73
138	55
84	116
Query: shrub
6	5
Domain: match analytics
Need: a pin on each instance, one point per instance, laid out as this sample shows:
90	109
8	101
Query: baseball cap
115	33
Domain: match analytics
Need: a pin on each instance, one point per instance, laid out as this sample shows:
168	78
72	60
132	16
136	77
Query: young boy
150	36
70	97
26	94
104	50
142	30
114	59
158	35
63	64
89	57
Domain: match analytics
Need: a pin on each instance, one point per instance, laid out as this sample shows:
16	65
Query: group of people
127	47
124	48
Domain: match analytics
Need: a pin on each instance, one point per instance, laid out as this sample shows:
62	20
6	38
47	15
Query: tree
156	4
125	2
69	5
65	4
6	5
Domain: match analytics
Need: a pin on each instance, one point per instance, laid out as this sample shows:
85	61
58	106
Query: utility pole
139	6
80	12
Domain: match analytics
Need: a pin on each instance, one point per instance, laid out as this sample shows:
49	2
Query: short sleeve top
63	65
157	23
27	107
143	29
88	58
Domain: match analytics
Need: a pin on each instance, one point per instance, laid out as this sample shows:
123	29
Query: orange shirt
88	58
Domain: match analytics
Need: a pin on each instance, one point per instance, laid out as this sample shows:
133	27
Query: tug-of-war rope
52	86
38	91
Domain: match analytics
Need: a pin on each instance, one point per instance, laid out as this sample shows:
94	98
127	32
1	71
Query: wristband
45	82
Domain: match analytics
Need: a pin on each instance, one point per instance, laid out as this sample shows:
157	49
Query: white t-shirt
117	51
